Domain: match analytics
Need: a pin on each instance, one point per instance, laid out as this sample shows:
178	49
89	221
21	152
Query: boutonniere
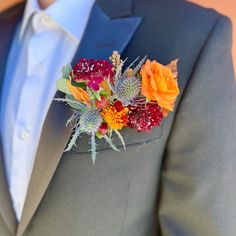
106	97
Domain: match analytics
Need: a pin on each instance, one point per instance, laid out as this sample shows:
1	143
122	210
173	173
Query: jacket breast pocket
130	136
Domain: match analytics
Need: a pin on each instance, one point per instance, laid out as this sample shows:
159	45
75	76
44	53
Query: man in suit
177	180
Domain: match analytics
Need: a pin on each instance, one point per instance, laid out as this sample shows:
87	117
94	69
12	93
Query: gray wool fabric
178	180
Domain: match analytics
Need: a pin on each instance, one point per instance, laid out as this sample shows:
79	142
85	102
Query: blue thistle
90	121
128	89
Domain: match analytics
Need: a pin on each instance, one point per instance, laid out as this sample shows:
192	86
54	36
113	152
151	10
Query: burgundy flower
94	82
93	71
144	117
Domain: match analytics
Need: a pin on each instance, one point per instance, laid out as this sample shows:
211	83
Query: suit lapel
8	23
101	37
6	209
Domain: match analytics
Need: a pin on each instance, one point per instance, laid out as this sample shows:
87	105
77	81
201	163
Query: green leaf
78	84
62	86
109	141
104	93
73	139
93	148
66	71
120	137
138	67
74	103
97	95
100	136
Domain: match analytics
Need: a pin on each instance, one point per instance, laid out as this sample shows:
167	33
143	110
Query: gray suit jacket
179	180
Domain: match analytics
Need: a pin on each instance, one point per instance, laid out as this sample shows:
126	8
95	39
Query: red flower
118	106
93	71
103	103
103	129
144	117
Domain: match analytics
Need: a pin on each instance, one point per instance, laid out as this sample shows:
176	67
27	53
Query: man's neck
45	3
4	5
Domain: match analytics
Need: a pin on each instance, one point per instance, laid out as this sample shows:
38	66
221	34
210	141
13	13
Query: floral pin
106	98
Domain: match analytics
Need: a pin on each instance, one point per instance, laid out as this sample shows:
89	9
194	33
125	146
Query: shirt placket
23	134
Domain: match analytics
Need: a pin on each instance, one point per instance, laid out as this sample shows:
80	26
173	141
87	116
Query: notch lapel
8	23
101	37
6	208
104	35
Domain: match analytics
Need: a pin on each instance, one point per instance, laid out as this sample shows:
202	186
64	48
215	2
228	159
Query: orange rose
159	84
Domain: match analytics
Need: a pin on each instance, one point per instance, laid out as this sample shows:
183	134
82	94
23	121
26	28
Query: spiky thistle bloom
127	89
144	117
90	121
116	115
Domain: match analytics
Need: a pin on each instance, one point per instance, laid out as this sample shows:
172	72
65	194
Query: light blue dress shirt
43	43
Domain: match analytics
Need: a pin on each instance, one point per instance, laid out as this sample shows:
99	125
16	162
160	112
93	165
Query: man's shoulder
177	7
179	15
175	27
198	12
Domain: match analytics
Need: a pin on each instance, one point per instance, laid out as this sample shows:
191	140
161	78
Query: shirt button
38	68
46	20
24	135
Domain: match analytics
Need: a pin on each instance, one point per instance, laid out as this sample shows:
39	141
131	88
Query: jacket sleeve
198	180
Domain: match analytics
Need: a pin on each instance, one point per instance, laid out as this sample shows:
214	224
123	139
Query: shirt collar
31	7
70	15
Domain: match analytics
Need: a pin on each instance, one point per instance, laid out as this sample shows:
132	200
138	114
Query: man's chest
122	186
